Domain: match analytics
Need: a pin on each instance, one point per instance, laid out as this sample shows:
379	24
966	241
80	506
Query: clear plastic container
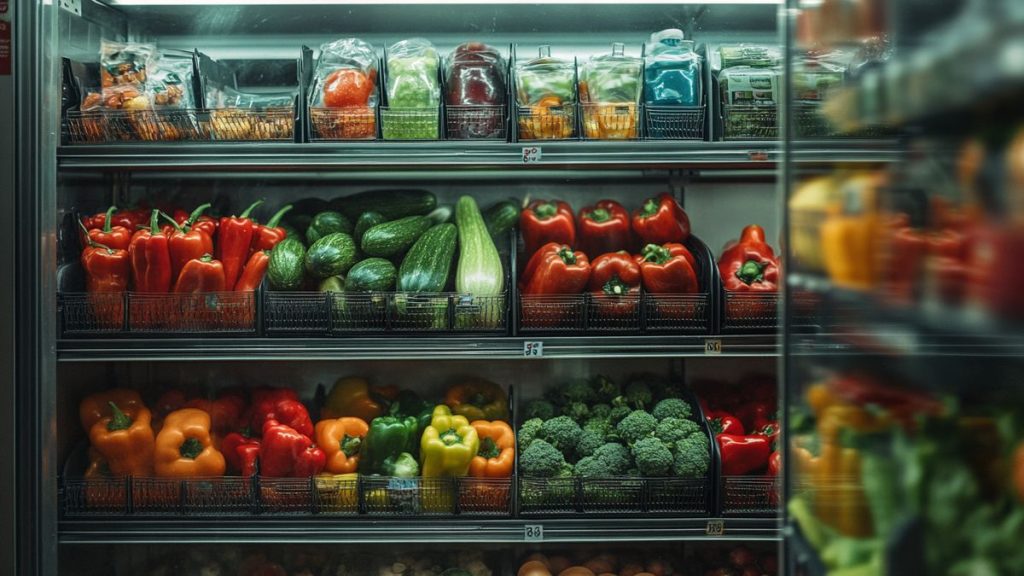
609	91
546	97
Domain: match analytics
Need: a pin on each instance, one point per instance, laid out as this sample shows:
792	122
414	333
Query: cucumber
394	237
501	217
480	272
332	284
392	204
285	269
425	268
366	221
326	223
371	275
331	255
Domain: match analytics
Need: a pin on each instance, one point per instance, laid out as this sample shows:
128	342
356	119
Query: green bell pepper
387	439
408	404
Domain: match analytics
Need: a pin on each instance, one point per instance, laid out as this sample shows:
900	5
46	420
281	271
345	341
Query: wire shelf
602	313
237	124
111	313
106	126
610	121
750	311
674	122
750	495
332	124
750	122
466	122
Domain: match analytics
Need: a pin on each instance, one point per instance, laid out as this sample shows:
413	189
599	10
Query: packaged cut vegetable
170	83
609	90
237	115
413	91
475	76
732	55
672	76
546	95
123	74
345	79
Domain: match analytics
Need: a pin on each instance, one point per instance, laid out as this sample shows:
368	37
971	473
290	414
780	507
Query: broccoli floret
604	388
672	429
618	413
600	411
599	425
528	432
561	432
578	411
692	457
638	394
615	457
652	457
672	407
539	409
541	459
589	441
578	391
636	426
590	467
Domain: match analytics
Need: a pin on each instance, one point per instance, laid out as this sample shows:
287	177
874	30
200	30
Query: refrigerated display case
903	416
677	361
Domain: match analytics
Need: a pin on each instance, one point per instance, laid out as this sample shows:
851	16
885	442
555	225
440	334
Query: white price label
712	346
533	532
533	349
715	528
531	154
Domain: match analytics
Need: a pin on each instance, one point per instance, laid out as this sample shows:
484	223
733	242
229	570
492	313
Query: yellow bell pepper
352	397
448	445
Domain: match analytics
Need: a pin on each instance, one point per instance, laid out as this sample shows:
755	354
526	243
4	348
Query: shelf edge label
715	528
533	532
532	154
712	346
533	349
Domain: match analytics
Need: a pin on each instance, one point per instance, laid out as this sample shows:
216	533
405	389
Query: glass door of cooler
903	349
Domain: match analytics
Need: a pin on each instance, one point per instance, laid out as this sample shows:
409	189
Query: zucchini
331	255
392	204
366	221
425	268
394	237
326	223
332	284
285	268
480	272
371	275
501	217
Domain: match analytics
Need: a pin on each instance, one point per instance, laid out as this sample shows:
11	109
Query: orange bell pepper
341	440
184	447
125	440
97	406
497	453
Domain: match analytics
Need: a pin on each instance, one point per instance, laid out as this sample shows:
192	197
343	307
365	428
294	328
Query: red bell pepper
224	411
266	236
150	258
186	244
775	463
556	269
742	454
542	222
106	269
252	274
948	270
130	219
113	237
603	228
753	236
722	423
661	220
199	276
282	405
233	242
287	453
749	271
668	269
241	453
615	284
904	259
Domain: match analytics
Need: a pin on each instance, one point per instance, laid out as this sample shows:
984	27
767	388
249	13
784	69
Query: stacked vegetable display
379	432
593	429
610	256
390	254
151	252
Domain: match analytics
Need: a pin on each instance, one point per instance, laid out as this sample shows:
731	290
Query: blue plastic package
672	76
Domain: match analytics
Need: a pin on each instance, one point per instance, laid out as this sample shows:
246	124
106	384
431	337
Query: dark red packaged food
475	91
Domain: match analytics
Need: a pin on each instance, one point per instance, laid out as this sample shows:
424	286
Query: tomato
347	87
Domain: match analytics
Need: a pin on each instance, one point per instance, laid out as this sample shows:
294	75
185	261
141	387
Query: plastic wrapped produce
344	93
123	73
546	95
609	90
750	82
413	91
475	91
672	75
731	55
237	115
